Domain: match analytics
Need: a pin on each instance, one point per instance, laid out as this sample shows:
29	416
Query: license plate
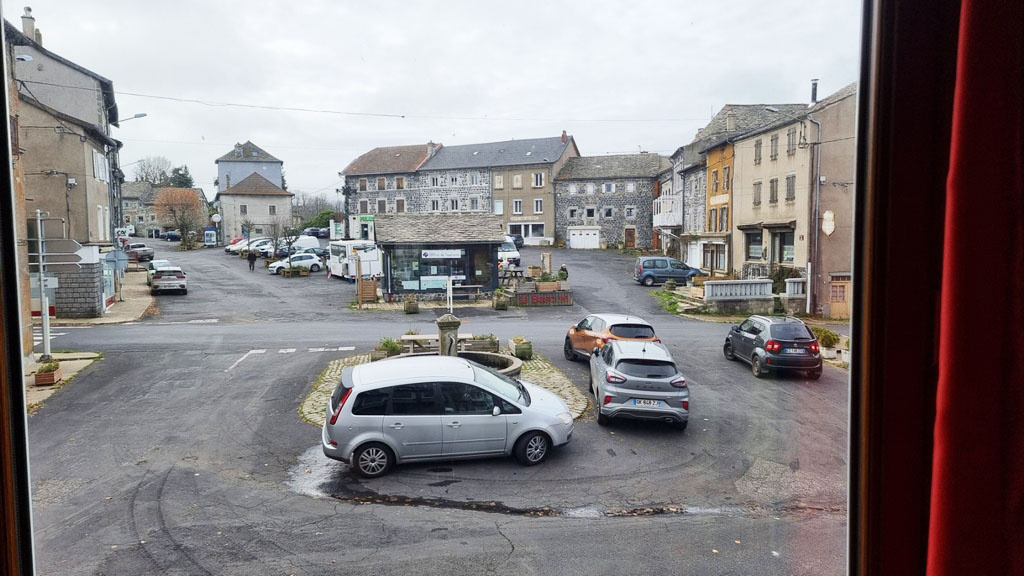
652	403
793	351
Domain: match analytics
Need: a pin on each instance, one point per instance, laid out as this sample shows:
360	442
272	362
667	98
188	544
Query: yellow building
717	254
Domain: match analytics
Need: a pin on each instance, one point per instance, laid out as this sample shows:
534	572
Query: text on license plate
793	350
654	403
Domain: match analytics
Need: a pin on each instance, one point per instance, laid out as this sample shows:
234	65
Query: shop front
423	251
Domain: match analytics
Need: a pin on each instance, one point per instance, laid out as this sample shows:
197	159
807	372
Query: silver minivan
638	380
438	408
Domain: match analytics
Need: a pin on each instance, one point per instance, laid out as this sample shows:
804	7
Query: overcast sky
620	76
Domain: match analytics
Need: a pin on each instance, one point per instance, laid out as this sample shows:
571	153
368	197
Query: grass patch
669	300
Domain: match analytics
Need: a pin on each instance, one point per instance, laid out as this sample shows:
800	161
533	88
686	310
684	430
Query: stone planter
382	354
411	306
533	272
501	303
844	356
670	285
49	378
485	345
521	349
829	353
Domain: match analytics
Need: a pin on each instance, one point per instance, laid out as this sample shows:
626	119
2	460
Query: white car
169	278
309	261
509	253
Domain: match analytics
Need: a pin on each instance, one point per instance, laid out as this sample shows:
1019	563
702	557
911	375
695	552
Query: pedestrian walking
252	260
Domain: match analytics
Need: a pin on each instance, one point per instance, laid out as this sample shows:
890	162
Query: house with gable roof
246	159
254	200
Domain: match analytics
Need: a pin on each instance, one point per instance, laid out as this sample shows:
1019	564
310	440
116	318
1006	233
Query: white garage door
585	238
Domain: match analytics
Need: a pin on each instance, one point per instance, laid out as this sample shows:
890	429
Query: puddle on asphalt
317	476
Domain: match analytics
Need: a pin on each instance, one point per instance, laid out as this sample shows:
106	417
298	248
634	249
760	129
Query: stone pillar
448	335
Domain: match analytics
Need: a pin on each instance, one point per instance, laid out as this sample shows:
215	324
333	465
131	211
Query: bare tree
182	209
153	169
307	206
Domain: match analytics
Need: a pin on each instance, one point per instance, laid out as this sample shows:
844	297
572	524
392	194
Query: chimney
28	24
565	137
227	183
730	121
814	90
431	148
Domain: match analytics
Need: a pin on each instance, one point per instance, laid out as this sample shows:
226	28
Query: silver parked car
169	278
438	408
638	380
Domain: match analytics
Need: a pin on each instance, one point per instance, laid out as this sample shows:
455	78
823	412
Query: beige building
793	200
255	200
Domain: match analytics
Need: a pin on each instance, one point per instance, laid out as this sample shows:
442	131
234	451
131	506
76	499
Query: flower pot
49	378
501	303
829	353
411	307
378	355
521	349
547	286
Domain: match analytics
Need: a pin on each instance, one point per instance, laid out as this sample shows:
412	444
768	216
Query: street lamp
139	115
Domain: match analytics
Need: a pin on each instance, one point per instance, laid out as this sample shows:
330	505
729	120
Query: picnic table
509	275
429	342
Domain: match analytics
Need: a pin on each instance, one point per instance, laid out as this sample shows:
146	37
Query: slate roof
389	160
614	166
497	154
748	117
247	152
844	92
785	119
136	191
255	185
439	229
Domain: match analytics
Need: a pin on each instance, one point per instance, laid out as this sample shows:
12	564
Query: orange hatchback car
597	329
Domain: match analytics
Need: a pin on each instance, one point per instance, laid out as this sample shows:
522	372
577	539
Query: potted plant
533	271
49	374
546	283
386	348
500	298
411	304
827	340
670	285
520	347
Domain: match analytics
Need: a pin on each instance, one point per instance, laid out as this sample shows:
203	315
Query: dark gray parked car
638	380
774	344
438	408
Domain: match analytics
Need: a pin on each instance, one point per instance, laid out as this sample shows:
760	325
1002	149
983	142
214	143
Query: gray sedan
438	408
638	380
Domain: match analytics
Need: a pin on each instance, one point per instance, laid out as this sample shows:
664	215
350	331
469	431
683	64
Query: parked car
596	330
774	344
310	261
651	270
235	240
508	252
320	252
242	244
638	380
516	239
152	266
169	278
141	252
172	236
323	233
311	232
438	408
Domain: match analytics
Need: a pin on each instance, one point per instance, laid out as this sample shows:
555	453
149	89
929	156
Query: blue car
651	270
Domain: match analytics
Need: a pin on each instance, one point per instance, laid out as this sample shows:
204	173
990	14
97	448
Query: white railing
738	289
796	286
668	211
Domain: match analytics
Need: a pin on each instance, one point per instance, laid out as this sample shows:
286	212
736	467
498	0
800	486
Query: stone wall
80	294
742	307
612	229
694	187
794	304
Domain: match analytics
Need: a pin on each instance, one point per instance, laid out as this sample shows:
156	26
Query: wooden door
839	299
630	238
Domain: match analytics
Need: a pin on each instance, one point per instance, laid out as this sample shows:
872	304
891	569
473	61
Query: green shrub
388	344
49	367
826	338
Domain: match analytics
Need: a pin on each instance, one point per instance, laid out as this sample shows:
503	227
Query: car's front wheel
314	268
532	448
372	460
727	350
568	351
648	280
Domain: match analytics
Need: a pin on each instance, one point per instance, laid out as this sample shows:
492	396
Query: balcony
668	211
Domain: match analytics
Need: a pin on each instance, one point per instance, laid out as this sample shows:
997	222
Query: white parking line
316	350
244	356
286	350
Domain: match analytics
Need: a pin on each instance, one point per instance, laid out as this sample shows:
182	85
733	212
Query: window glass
632	331
677	265
791	331
499	383
413	400
371	402
462	398
646	368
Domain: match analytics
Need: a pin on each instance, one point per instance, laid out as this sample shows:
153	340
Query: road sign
118	258
56	258
61	246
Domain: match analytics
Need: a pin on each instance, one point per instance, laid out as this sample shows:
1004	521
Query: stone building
607	200
256	201
138	206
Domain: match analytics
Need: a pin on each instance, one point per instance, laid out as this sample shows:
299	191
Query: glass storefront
427	267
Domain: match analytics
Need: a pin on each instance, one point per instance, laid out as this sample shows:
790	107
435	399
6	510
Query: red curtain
977	501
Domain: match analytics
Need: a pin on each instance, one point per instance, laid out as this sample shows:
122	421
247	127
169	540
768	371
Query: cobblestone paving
538	370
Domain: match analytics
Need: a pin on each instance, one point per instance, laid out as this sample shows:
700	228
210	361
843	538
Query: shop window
755	245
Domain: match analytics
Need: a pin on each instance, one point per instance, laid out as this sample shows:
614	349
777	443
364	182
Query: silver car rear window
647	368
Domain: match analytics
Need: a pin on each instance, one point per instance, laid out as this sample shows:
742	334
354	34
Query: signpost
55	255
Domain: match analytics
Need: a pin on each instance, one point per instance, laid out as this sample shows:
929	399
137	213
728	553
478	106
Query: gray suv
638	380
438	408
774	344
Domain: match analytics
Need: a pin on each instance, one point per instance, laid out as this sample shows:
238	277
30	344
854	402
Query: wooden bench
467	291
429	342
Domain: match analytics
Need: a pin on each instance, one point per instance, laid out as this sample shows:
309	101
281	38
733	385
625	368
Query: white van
509	253
303	242
343	259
